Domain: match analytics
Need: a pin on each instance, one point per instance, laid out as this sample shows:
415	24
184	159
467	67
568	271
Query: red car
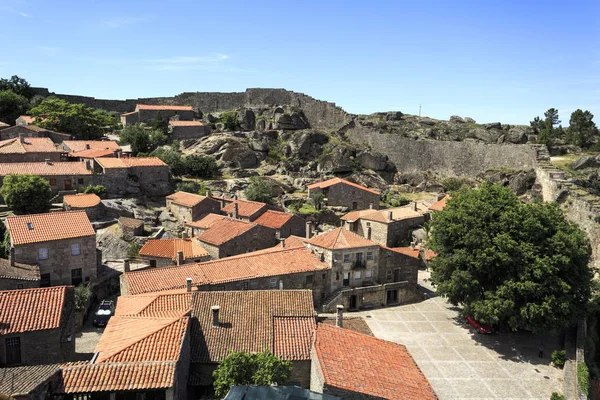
481	328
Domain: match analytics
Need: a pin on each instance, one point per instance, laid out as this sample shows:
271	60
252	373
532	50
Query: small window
52	182
337	276
309	279
324	276
368	273
346	258
388	275
357	274
45	280
274	282
245	285
13	350
43	253
30	226
368	224
75	249
369	255
76	276
80	181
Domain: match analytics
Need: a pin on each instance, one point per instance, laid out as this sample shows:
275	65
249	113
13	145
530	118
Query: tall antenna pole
419	110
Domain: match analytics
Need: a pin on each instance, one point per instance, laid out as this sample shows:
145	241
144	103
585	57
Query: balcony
359	264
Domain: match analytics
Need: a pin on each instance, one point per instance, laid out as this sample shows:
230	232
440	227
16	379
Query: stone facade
61	267
345	195
13	284
32	131
94	213
148	116
185	132
153	181
30	156
391	234
187	214
397	267
256	238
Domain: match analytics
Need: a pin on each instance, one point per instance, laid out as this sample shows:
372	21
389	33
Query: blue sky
502	61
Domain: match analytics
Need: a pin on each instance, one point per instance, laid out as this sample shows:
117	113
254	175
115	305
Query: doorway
397	275
346	281
392	297
68	185
353	302
354	205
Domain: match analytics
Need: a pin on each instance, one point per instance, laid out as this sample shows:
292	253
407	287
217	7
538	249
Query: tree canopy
193	166
141	139
259	189
75	119
26	194
240	368
12	106
582	130
510	262
17	85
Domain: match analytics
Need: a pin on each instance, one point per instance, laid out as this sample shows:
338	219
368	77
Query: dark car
103	313
481	328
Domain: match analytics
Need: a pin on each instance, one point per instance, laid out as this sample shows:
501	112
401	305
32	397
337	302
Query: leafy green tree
582	130
12	106
317	200
240	368
5	244
546	129
141	139
172	158
230	120
133	251
260	189
17	85
98	190
75	119
26	194
200	167
160	124
82	297
510	262
192	187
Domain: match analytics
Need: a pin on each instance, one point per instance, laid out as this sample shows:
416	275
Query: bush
200	167
82	296
98	190
260	189
583	378
452	184
559	357
26	194
134	250
557	396
192	187
230	120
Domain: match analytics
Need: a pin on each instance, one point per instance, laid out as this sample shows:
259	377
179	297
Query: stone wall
12	284
188	132
300	374
256	238
374	296
188	214
30	157
447	158
394	266
347	196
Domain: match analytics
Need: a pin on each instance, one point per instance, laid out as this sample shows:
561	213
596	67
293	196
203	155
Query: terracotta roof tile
364	364
206	221
186	123
274	219
162	107
168	248
430	255
264	263
29	145
186	199
335	181
339	238
163	305
118	377
292	337
27	118
293	241
130	222
93	153
26	310
45	169
81	200
440	204
246	208
21	272
81	145
222	231
128	162
20	381
37	228
398	213
407	251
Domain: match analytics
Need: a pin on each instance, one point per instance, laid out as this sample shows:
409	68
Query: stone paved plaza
462	364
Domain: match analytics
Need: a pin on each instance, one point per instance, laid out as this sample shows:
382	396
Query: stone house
147	175
275	268
342	193
244	210
4	125
15	275
90	203
146	113
336	373
168	252
32	382
441	203
184	130
62	244
190	207
29	149
37	326
24	120
90	149
62	176
197	227
131	227
32	131
283	224
391	227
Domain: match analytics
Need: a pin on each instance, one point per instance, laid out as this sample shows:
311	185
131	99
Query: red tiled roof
440	204
269	262
407	251
168	248
335	181
186	199
128	162
398	213
207	221
162	107
222	231
93	153
21	272
29	145
19	382
293	241
115	377
162	305
45	169
430	255
81	200
339	238
248	323
246	208
130	222
186	123
48	227
273	219
363	364
81	145
26	310
27	118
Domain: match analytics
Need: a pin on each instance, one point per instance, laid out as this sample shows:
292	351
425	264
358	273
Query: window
357	274
43	253
13	351
52	182
337	276
152	263
309	279
80	181
346	258
368	273
245	285
369	255
274	282
324	276
388	275
346	281
44	280
30	226
76	276
75	249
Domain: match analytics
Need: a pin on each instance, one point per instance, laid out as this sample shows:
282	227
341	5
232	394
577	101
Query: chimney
180	257
415	206
87	146
215	315
208	193
235	210
412	245
282	242
22	137
126	265
369	232
390	215
339	316
278	234
88	164
48	161
184	235
188	284
308	229
12	256
116	154
370	206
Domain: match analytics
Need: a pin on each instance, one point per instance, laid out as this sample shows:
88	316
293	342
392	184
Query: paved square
462	364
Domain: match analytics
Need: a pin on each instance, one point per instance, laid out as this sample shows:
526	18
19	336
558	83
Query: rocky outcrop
586	162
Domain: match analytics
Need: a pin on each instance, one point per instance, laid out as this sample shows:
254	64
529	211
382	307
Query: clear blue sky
502	61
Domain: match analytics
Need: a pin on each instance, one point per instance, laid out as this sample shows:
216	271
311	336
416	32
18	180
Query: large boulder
456	119
586	162
239	157
308	144
335	163
111	245
516	135
373	160
294	121
522	182
369	179
247	119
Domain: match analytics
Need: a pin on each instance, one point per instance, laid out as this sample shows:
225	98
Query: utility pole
419	110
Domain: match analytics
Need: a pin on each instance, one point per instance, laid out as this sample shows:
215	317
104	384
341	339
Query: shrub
133	251
26	194
317	199
559	357
98	190
82	295
557	396
200	167
192	187
583	378
452	184
230	120
260	189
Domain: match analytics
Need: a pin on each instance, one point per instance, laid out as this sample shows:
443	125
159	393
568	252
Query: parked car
103	313
481	328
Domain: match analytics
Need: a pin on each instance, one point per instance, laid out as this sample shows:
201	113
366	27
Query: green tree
200	167
160	124
240	368
137	137
98	190
230	120
546	129
172	158
26	194
582	130
260	189
510	262
17	85
133	250
75	119
12	106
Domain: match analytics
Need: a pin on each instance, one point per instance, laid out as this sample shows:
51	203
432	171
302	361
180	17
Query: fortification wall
468	158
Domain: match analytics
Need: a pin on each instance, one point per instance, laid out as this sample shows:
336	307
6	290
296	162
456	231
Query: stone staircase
330	301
